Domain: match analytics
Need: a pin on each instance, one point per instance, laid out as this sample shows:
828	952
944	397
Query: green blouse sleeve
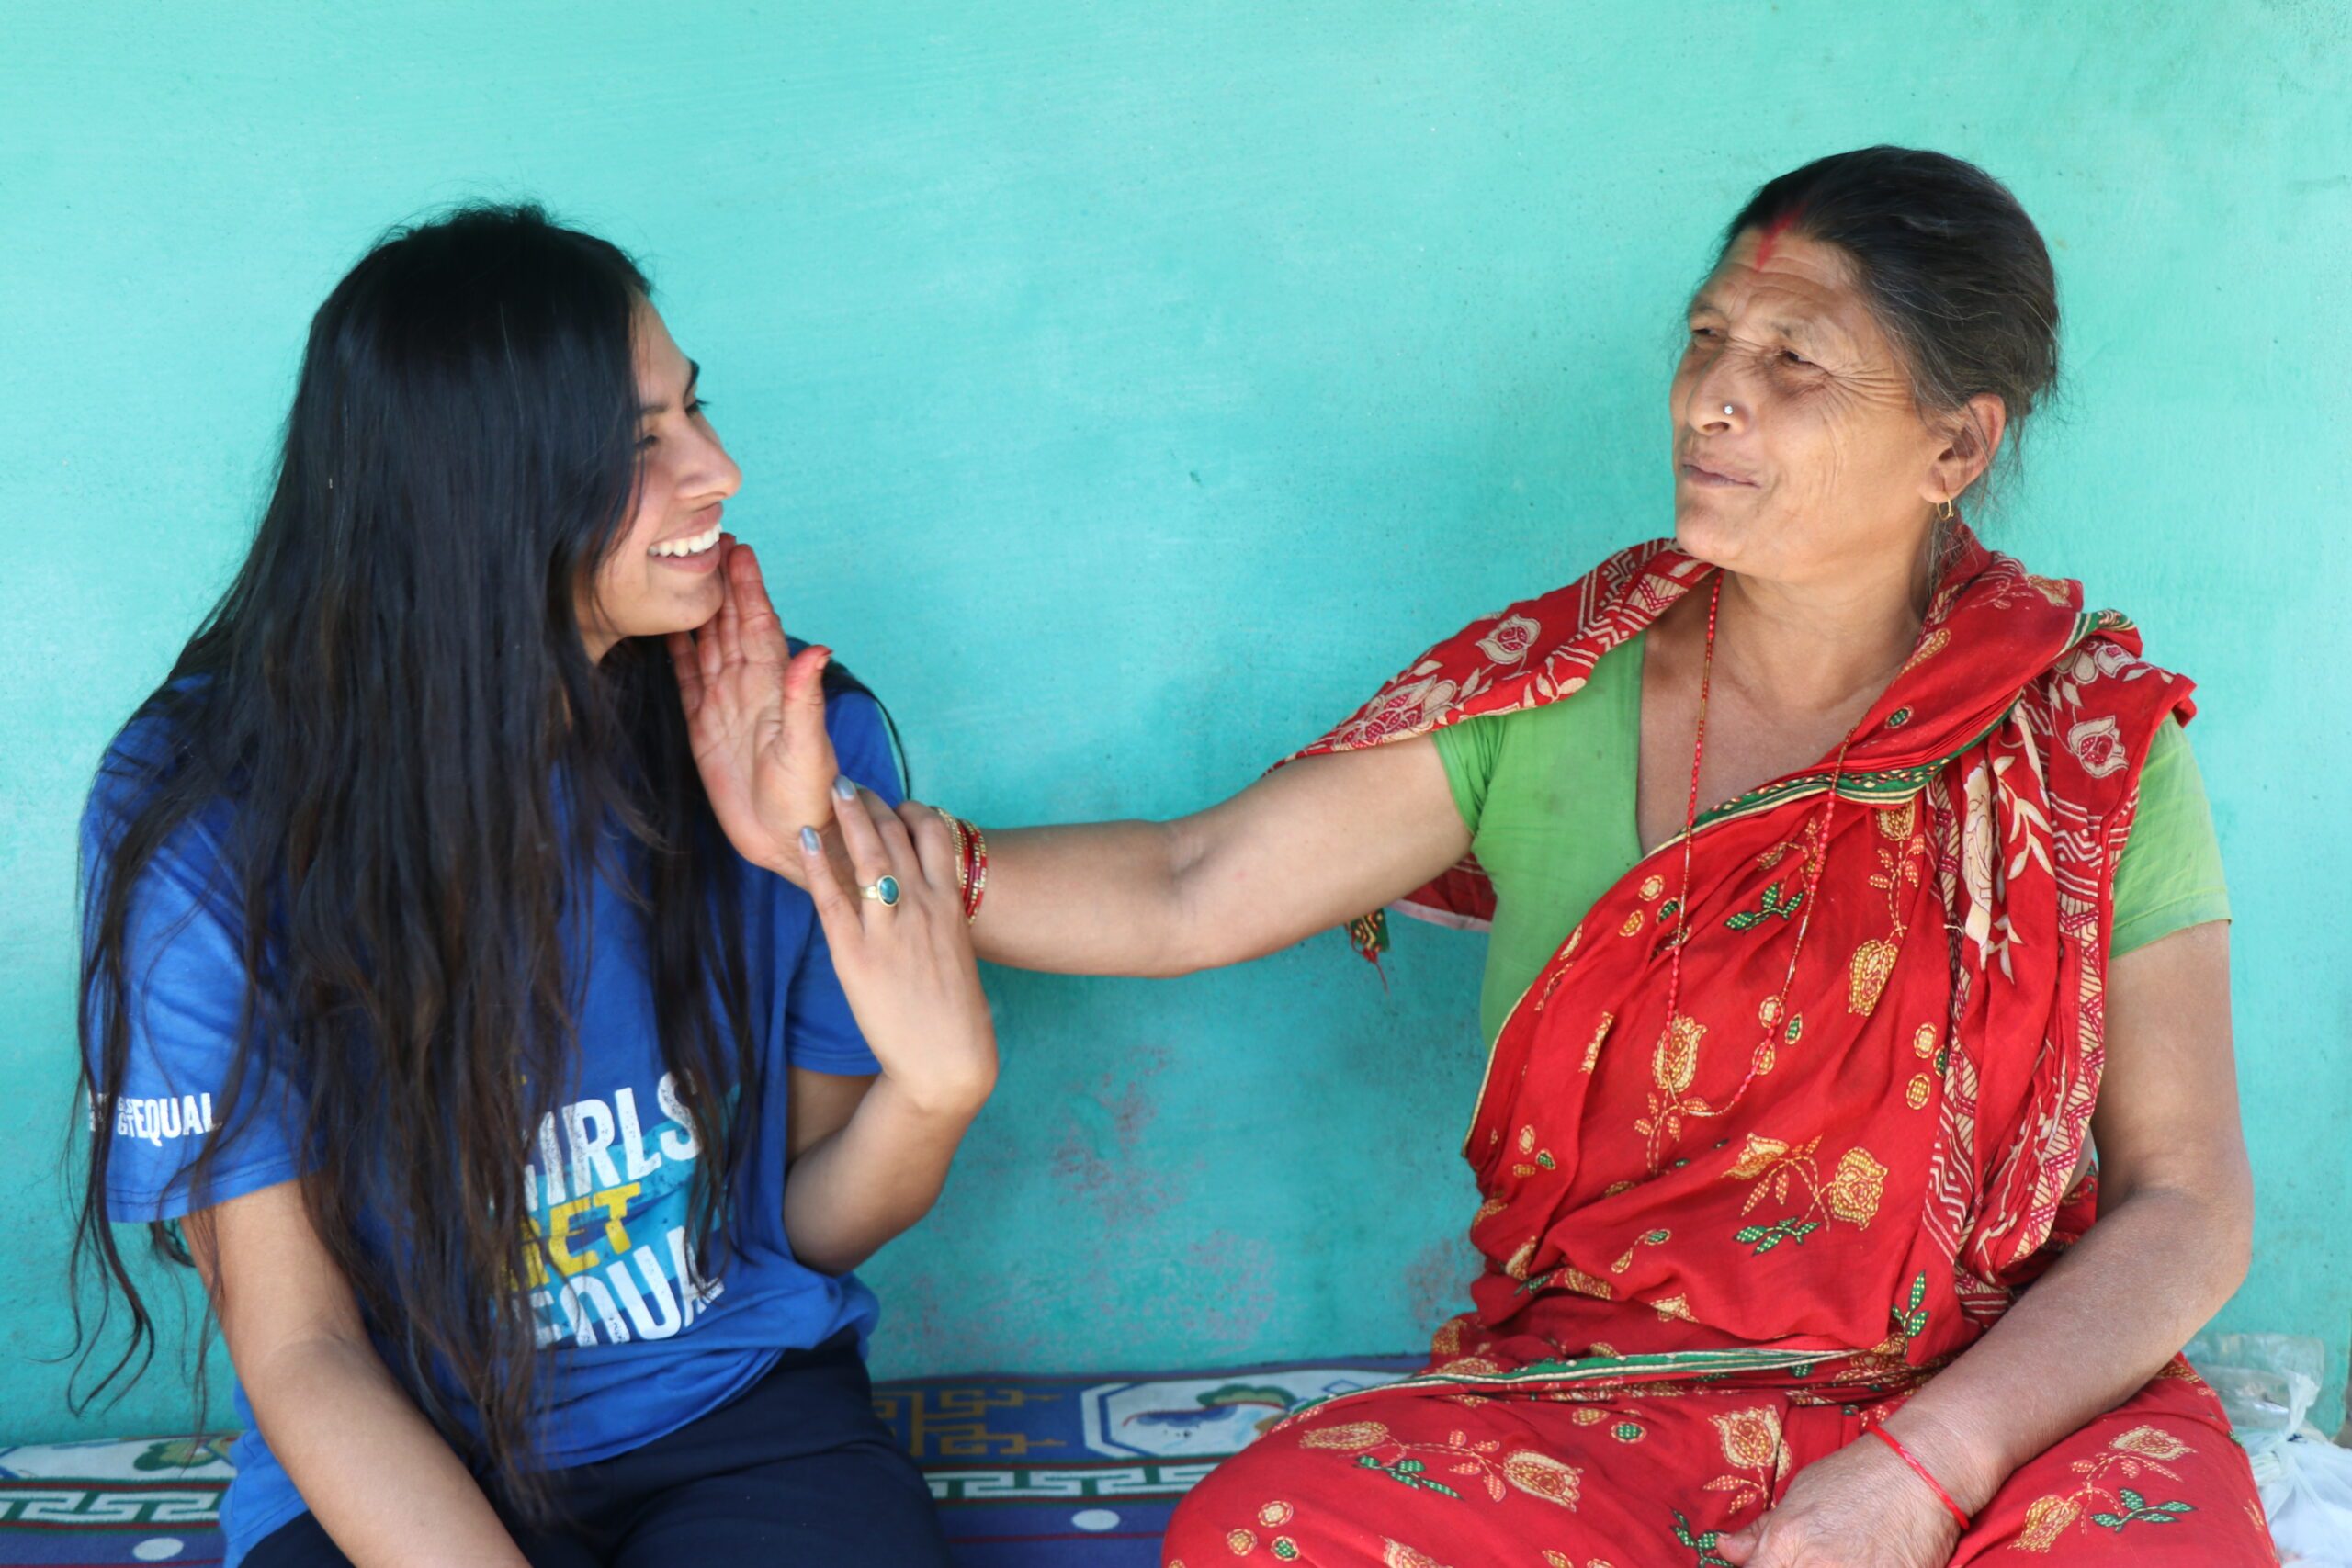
1469	750
2169	877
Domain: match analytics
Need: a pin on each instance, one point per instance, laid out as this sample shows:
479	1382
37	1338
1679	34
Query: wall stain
1100	1155
1231	1292
1436	1282
939	1322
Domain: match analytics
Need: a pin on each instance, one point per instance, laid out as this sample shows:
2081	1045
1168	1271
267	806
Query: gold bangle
956	830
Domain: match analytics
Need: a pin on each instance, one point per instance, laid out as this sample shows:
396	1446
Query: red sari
1720	1245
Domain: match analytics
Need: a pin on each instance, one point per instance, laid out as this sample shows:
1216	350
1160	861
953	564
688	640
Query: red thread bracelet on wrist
1892	1441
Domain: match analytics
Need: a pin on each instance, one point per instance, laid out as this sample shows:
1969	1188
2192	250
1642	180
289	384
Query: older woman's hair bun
1950	266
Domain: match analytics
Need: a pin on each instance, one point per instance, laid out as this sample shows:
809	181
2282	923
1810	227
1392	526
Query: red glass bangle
971	861
977	886
1889	1438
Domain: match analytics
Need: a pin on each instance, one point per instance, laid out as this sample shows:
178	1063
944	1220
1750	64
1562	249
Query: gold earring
1948	513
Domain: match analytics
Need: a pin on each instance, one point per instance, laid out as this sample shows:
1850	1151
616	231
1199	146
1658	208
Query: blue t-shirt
637	1341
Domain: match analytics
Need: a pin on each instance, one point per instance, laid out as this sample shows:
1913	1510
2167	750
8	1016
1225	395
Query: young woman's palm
755	713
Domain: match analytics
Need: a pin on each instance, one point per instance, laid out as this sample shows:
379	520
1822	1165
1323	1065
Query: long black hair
424	765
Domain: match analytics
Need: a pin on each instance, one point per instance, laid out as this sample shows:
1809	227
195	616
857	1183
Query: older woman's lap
2158	1481
1416	1481
1411	1480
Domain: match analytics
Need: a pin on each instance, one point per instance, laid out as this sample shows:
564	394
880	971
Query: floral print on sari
1747	1231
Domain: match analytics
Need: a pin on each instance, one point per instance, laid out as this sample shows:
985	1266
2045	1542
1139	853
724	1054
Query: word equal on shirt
608	1200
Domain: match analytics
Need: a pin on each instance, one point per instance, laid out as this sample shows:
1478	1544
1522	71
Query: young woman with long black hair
443	1004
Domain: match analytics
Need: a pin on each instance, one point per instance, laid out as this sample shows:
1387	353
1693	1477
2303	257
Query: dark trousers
795	1471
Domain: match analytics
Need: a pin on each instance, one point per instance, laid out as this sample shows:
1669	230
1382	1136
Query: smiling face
662	575
1824	464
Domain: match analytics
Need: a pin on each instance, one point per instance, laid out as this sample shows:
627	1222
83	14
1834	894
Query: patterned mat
1029	1471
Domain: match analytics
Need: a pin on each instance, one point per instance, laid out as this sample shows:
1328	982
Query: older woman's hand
1861	1507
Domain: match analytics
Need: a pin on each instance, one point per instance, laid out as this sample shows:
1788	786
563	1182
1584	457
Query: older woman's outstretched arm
1303	850
2172	1241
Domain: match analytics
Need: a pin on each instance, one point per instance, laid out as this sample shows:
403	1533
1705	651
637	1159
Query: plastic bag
2268	1382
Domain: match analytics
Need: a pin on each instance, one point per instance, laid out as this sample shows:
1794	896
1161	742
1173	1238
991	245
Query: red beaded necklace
1816	852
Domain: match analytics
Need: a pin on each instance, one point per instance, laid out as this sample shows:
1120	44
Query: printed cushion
1028	1472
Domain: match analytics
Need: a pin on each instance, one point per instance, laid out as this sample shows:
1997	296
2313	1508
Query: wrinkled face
1822	463
663	574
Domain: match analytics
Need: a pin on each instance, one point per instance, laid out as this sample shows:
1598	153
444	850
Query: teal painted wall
1126	391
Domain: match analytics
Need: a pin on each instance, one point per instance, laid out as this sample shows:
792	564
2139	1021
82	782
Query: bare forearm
873	1178
1091	898
1301	850
2081	1340
1087	898
367	1463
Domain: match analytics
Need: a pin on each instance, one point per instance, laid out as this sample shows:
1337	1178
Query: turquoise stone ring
885	891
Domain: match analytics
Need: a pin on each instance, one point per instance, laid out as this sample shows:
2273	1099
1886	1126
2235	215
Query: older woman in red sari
1849	883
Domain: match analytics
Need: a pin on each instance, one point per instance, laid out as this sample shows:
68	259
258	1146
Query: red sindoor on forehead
1772	232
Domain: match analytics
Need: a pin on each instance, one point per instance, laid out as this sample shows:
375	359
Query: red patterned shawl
1857	1181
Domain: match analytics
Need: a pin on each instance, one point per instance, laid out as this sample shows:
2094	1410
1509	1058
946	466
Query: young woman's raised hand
755	713
903	951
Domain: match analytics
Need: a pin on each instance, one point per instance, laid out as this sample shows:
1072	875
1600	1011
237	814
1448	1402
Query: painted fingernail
843	789
809	840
